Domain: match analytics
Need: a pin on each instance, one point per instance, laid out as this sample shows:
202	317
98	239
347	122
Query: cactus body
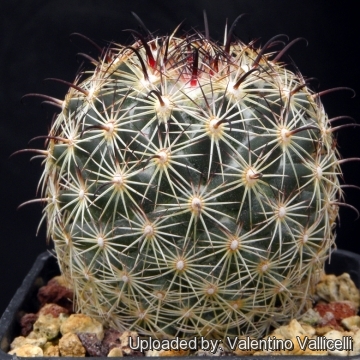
191	188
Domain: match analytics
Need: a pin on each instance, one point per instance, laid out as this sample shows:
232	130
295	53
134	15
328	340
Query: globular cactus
191	188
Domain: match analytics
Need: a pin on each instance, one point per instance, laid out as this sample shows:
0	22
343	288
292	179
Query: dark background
35	45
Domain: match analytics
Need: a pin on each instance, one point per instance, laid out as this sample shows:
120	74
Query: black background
35	45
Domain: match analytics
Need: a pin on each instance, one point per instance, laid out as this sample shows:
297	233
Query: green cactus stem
191	188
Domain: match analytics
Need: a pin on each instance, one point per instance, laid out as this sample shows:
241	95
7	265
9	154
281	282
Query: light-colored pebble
70	345
322	330
115	352
47	326
309	330
356	344
351	323
171	353
290	331
152	353
61	280
79	323
335	334
52	309
63	317
21	340
51	350
27	350
338	288
124	339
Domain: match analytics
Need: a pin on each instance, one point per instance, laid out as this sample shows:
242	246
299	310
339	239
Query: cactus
191	188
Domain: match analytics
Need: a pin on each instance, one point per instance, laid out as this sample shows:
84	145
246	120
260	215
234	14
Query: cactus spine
191	188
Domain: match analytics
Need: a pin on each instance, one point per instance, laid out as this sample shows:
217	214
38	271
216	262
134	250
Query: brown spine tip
230	33
141	23
206	26
348	206
222	121
194	75
142	64
303	128
243	77
342	161
96	46
151	60
341	117
328	91
88	57
50	100
265	47
76	87
98	127
38	151
287	47
158	95
342	127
